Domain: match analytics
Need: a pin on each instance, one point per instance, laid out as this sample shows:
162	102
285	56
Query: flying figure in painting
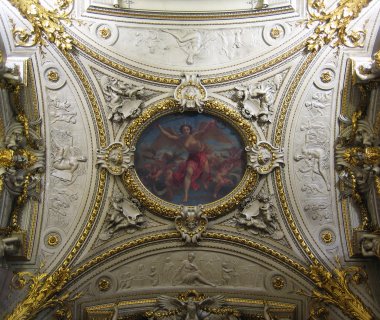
197	167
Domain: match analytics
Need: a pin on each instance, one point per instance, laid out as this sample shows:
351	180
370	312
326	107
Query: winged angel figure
191	309
208	165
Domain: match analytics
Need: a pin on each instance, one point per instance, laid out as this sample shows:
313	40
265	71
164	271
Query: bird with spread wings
192	308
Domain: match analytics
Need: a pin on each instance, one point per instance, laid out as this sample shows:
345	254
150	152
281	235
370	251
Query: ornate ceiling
189	159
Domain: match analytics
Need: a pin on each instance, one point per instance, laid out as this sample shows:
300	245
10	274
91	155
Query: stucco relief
61	110
311	156
123	99
258	215
190	46
256	100
124	215
192	269
61	204
68	160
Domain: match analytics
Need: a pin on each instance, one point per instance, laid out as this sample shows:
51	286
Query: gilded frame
137	190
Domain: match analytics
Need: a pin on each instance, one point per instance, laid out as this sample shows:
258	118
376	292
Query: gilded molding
331	286
91	97
334	289
345	101
250	72
43	293
332	26
209	81
278	140
176	235
156	205
137	14
46	25
125	246
127	71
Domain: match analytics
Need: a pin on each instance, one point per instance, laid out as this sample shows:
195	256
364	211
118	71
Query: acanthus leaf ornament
46	24
333	26
333	288
43	293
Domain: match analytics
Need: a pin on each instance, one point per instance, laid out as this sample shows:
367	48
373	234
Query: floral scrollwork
332	26
333	288
46	24
191	224
43	293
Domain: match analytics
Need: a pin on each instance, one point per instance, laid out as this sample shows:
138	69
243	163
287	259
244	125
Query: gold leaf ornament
46	24
332	27
43	293
333	288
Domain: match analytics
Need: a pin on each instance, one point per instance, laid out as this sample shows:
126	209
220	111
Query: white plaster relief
61	204
61	110
190	47
311	156
258	215
191	269
67	158
123	215
255	101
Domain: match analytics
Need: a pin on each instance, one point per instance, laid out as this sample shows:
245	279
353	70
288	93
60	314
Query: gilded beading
250	72
189	17
332	26
345	100
125	246
133	73
171	81
152	203
102	173
91	96
46	25
278	140
176	235
95	211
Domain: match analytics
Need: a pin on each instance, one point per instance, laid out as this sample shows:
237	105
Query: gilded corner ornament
44	290
46	24
332	27
333	288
